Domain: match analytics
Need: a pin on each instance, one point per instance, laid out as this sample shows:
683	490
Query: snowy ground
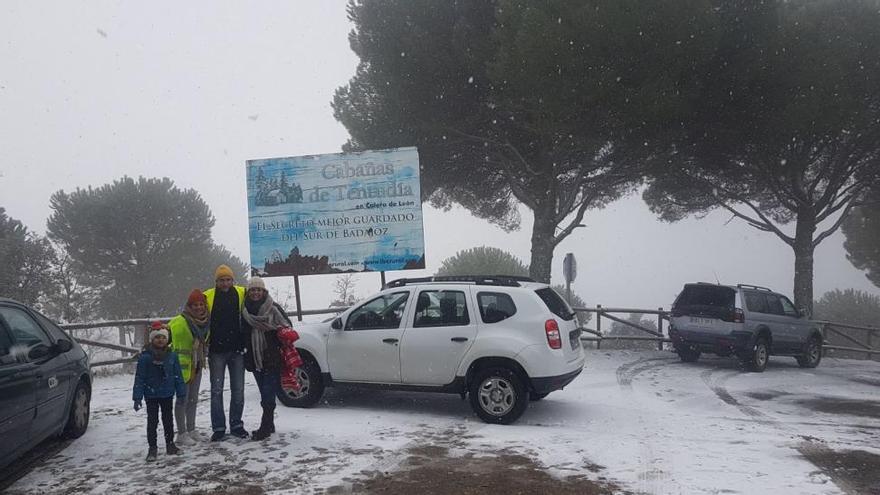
633	422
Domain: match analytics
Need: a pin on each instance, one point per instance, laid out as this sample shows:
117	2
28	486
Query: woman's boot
267	426
271	418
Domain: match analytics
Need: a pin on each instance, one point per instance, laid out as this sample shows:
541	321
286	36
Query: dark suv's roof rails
501	280
755	287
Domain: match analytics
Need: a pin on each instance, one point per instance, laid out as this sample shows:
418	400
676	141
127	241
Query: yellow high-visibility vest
182	345
209	294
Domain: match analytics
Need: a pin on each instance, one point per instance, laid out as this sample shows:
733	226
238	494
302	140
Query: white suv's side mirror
337	324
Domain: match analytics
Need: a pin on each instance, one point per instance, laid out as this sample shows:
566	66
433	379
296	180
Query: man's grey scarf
267	319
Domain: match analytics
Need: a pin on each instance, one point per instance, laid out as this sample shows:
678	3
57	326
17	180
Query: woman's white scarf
267	319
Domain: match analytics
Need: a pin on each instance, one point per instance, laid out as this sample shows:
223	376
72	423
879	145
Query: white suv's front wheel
311	386
498	395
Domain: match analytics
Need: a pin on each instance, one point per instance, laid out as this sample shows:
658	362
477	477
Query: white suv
503	340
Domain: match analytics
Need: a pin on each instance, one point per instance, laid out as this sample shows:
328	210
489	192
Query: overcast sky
93	91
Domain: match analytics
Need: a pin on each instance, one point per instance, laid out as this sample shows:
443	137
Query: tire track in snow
652	478
715	379
628	371
808	447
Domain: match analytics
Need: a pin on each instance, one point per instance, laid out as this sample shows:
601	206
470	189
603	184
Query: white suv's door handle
390	341
459	339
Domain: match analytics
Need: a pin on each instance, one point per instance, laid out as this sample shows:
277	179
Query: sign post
569	269
299	315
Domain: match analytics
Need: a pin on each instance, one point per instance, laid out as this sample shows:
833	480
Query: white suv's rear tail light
553	338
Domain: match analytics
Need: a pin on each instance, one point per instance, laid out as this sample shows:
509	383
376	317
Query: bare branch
821	237
766	221
751	221
574	223
519	192
504	145
840	204
763	223
521	158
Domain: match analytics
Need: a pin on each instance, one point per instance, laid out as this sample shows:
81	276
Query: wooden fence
861	339
850	334
140	325
609	313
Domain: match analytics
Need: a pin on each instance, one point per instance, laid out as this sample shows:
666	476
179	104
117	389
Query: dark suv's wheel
311	386
757	360
78	419
812	354
498	395
687	354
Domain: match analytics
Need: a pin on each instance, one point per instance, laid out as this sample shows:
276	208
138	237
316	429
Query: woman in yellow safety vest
189	336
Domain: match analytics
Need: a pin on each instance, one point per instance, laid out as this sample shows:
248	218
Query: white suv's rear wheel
498	395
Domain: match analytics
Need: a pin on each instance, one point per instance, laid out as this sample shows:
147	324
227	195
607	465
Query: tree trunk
803	260
543	232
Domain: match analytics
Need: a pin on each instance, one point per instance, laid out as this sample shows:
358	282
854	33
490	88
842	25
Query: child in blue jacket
158	376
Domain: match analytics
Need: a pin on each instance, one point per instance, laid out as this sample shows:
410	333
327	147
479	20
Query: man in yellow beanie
226	346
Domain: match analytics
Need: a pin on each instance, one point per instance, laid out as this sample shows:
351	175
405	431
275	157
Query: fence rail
143	324
838	329
600	312
596	335
828	328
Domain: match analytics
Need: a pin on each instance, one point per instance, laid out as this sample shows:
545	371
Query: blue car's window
53	329
5	347
24	331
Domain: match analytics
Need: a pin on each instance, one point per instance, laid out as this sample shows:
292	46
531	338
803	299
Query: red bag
291	359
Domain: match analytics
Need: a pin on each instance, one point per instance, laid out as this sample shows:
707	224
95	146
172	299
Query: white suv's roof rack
500	280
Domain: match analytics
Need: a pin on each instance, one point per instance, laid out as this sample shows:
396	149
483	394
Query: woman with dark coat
261	319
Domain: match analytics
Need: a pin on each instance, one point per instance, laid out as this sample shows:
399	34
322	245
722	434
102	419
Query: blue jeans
269	383
217	364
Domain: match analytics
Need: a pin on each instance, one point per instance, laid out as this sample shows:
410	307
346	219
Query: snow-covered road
634	421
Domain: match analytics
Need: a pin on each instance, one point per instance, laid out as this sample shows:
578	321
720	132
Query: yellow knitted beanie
223	271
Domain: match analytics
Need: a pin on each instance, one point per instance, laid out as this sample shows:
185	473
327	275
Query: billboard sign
337	213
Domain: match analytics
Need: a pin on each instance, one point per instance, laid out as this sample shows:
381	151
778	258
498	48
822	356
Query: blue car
45	382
